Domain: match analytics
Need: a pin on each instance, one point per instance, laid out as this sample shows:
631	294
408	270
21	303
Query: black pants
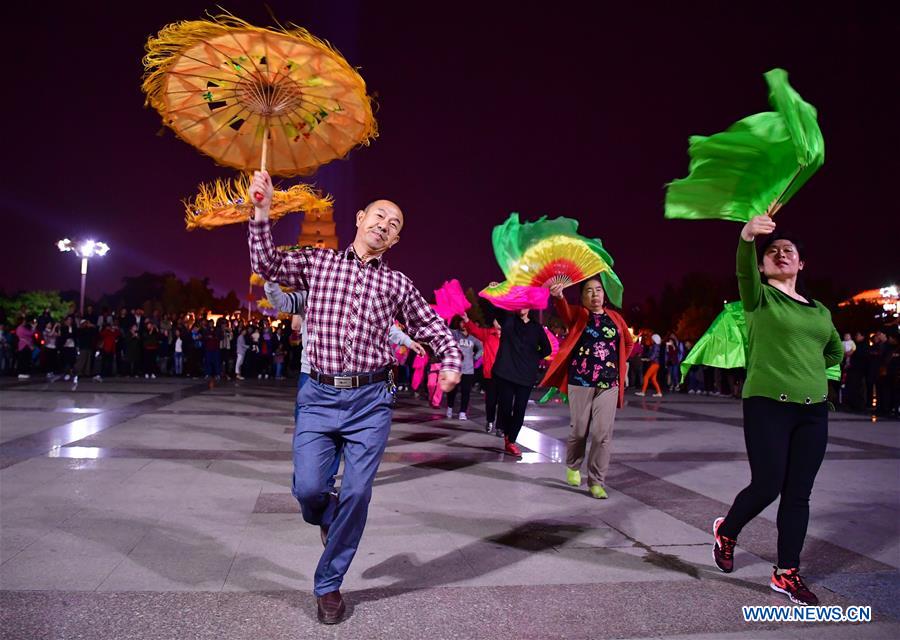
513	400
68	359
490	399
465	385
24	356
51	360
108	364
785	445
150	362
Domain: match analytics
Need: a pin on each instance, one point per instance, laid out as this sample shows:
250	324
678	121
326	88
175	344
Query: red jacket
490	338
576	320
108	338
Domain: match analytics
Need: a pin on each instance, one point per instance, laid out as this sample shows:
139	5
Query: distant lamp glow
84	249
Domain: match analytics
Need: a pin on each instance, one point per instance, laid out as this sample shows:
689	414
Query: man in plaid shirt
353	300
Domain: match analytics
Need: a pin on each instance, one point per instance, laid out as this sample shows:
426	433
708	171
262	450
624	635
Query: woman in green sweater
791	341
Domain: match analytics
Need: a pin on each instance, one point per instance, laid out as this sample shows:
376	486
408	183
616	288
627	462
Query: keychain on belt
392	388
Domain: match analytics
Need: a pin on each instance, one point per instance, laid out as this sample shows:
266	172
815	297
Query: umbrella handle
262	164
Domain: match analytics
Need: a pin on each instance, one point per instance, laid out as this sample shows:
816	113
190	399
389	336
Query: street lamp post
84	249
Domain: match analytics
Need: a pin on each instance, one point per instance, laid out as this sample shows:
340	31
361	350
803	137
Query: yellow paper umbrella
228	202
278	99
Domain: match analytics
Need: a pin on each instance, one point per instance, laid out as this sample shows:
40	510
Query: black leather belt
350	382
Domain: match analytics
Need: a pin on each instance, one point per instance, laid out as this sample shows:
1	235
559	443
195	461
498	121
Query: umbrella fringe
228	201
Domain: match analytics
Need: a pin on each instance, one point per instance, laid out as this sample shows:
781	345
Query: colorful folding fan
547	252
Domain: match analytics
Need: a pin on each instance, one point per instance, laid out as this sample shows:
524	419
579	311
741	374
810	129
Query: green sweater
790	344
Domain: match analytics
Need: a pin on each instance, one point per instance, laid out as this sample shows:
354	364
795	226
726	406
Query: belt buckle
343	382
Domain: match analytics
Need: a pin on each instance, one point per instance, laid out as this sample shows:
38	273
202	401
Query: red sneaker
512	448
791	584
723	548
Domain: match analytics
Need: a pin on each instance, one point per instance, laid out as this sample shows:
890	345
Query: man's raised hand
261	184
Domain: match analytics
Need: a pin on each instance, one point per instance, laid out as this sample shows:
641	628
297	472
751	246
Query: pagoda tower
318	229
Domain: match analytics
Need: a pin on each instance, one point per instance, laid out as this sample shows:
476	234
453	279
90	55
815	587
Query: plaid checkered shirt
351	305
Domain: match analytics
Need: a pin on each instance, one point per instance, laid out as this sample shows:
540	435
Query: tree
857	316
168	293
694	322
33	303
229	304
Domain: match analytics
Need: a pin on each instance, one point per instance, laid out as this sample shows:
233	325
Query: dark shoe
723	548
791	584
330	608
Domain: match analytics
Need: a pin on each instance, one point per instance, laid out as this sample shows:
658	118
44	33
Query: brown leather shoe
331	608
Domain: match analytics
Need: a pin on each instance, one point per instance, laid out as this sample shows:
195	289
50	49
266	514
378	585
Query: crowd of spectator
128	342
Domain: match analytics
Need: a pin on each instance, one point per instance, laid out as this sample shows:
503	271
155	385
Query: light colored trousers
593	413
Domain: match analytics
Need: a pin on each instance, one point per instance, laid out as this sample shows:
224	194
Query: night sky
578	110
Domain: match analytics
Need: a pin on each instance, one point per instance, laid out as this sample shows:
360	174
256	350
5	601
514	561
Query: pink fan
554	344
515	297
451	297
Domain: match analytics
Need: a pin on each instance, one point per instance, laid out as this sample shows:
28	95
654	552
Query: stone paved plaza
162	509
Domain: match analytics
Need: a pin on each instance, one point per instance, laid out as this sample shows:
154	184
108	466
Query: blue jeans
674	375
179	363
212	363
358	421
695	379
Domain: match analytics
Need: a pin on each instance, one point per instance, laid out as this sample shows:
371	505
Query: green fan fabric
755	166
724	344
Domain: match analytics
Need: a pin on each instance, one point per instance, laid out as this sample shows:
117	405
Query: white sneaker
463	416
75	379
98	379
267	376
239	377
449	413
146	376
259	376
24	376
67	377
153	375
640	393
657	395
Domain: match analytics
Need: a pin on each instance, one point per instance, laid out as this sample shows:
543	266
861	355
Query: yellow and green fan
543	253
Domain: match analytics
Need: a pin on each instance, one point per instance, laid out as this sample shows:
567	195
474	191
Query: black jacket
522	347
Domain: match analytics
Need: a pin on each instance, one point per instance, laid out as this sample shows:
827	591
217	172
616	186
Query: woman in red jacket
591	368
